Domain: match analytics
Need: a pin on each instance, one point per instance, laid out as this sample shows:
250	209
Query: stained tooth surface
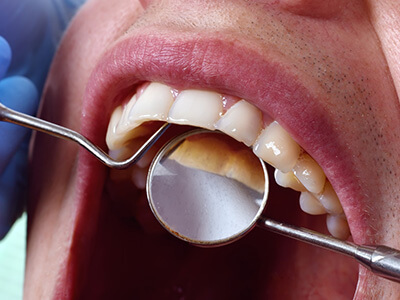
330	200
275	146
310	204
337	226
197	108
242	122
288	180
309	173
153	104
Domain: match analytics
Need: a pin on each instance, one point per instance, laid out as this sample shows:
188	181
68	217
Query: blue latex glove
33	29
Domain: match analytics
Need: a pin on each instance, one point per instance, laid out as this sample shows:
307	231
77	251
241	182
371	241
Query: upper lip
198	61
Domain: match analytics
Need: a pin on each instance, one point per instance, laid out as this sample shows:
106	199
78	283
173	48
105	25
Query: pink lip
196	61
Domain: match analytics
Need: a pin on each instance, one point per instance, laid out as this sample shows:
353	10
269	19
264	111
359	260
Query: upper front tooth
309	173
242	122
198	108
153	104
276	146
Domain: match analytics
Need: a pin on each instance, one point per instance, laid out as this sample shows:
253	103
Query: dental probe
381	260
12	116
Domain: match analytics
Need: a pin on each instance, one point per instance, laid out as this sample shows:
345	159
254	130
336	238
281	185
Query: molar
197	108
275	146
242	122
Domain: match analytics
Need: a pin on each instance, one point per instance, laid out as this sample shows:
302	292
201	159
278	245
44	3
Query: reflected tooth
310	204
309	173
288	180
276	146
338	226
153	104
330	200
242	122
197	108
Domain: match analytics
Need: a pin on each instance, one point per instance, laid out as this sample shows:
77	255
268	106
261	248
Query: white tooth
288	180
139	177
309	173
111	136
198	108
338	226
242	122
310	204
330	200
153	104
276	146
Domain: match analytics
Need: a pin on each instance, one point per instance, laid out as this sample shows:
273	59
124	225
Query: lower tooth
310	204
139	177
338	226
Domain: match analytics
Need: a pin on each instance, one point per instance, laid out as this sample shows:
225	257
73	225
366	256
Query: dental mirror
206	188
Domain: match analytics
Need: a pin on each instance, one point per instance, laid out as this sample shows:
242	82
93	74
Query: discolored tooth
153	104
288	180
330	200
309	173
275	146
310	204
242	122
197	108
338	226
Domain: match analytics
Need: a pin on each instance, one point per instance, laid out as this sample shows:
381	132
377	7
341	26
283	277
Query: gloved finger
13	189
5	56
20	94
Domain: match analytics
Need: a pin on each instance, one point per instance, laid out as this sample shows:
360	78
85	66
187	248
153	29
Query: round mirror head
207	188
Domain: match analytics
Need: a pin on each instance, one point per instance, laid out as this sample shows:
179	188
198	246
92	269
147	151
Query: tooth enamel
197	108
153	104
330	200
139	177
288	180
275	146
242	122
309	173
310	204
337	226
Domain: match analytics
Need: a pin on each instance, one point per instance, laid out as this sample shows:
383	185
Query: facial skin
327	72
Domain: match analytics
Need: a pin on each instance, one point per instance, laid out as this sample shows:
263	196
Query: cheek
313	8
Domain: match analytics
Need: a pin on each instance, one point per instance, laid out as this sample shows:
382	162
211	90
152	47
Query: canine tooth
309	173
242	122
276	146
153	104
288	180
338	226
310	204
330	200
198	108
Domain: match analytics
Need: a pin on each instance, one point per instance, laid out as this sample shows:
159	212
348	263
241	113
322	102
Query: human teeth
139	177
310	204
309	173
288	180
330	200
276	147
153	104
242	122
197	108
337	226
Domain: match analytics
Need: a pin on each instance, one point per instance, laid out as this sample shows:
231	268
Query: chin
91	232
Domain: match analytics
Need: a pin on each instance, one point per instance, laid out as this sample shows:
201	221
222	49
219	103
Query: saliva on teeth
242	121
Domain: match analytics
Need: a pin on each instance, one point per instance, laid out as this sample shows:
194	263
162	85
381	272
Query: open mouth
106	244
